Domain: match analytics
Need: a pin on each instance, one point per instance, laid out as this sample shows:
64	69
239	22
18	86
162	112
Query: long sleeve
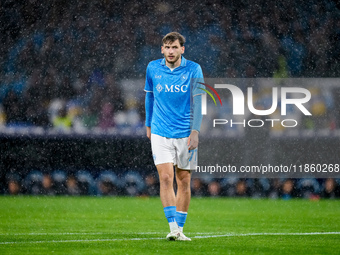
149	100
197	114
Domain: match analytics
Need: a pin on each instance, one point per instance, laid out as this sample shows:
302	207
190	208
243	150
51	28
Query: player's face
172	52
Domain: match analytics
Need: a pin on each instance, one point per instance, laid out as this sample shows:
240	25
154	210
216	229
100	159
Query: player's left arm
196	123
197	113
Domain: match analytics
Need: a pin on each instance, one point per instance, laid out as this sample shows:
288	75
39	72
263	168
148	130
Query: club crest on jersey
159	87
183	77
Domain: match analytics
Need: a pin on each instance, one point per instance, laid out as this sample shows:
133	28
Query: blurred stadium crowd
141	183
62	61
62	64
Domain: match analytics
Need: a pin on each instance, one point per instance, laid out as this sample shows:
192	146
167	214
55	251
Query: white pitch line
81	241
158	238
48	234
82	233
271	234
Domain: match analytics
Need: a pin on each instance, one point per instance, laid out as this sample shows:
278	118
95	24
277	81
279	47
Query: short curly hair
173	36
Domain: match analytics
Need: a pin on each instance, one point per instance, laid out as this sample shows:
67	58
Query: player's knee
166	179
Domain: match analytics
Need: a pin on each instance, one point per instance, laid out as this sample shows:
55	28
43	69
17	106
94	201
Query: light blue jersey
172	96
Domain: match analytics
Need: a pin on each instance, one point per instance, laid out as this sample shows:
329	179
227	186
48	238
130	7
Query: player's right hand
148	132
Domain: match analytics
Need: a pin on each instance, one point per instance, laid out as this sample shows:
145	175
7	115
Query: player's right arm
149	101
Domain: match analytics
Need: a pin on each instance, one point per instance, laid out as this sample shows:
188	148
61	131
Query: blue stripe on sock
170	213
181	218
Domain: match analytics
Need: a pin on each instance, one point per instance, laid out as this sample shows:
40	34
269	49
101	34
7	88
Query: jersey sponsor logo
176	88
158	76
159	87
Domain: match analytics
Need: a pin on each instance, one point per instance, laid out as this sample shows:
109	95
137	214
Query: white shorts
173	150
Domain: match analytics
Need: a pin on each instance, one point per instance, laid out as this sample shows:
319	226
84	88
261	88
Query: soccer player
173	120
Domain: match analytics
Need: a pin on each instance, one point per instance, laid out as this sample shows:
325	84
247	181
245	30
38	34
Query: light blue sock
181	218
170	213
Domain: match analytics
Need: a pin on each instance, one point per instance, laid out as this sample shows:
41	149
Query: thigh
163	150
186	160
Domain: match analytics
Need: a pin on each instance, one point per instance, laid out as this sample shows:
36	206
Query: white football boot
173	235
182	237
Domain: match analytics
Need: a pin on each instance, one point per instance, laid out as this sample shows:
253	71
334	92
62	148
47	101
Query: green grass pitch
126	225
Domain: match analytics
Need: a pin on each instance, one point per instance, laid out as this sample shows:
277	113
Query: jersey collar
183	61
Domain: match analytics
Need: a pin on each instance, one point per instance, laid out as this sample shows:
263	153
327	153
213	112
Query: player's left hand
193	140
